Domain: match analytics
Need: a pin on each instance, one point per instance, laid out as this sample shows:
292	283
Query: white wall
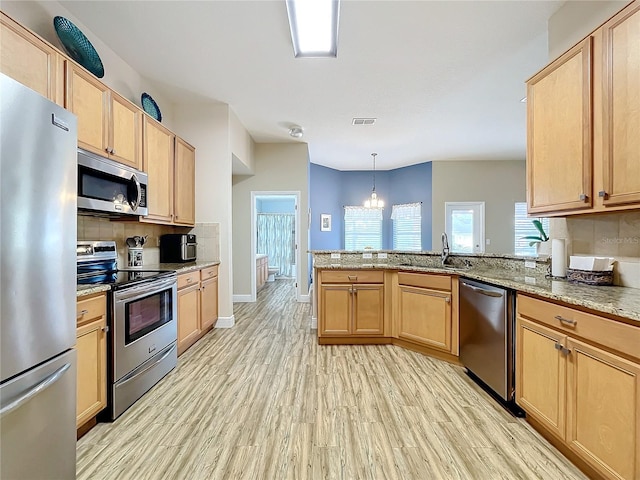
575	20
242	146
278	167
497	183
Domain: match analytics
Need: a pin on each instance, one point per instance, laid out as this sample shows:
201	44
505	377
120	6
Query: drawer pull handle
562	348
567	321
353	278
189	280
82	313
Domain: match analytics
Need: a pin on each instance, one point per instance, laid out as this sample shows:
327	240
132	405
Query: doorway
275	232
464	224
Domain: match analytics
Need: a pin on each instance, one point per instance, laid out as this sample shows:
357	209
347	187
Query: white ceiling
443	78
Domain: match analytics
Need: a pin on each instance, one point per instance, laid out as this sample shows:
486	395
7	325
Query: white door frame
472	206
254	233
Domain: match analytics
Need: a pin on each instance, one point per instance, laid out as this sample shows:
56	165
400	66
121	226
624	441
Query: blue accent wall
330	190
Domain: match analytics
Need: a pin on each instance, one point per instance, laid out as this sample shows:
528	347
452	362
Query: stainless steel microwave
108	187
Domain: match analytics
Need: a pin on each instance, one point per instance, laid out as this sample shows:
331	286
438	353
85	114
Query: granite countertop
84	290
620	301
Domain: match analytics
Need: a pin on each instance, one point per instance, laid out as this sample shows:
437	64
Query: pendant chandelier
374	201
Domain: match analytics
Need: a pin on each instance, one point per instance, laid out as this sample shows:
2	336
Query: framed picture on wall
325	222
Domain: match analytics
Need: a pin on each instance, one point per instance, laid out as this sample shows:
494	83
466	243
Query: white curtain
276	239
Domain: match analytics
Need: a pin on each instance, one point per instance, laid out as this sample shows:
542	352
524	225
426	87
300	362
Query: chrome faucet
445	249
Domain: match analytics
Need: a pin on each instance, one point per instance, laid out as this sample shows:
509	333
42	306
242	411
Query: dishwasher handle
488	293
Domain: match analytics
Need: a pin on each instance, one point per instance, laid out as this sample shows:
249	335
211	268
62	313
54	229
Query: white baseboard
243	299
304	298
314	323
226	322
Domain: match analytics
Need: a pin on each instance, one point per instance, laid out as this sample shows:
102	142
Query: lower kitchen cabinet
348	308
91	348
578	376
197	305
424	311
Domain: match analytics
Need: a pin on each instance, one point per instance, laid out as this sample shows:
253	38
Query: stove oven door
144	323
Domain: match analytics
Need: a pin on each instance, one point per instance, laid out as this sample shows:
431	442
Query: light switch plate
335	255
367	255
530	264
382	255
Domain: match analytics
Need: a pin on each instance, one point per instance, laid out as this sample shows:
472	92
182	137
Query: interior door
464	224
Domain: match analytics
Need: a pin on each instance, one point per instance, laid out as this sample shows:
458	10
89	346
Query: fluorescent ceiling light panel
314	27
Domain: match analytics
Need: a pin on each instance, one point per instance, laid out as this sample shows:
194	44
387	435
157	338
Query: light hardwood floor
263	401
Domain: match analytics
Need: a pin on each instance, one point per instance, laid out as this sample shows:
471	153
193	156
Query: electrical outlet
382	255
529	264
530	280
367	255
335	255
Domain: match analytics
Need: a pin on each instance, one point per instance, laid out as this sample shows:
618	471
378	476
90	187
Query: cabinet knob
105	329
447	299
113	151
602	194
583	197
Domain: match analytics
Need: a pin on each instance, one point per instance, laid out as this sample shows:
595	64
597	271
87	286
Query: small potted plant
538	240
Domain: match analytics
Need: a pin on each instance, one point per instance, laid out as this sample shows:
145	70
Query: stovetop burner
120	278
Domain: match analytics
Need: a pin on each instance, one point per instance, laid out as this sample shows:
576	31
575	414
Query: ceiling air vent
363	121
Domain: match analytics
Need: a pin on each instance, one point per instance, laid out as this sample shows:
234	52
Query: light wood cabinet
581	384
185	181
28	59
188	316
262	271
91	348
351	308
108	124
424	316
197	305
583	115
158	151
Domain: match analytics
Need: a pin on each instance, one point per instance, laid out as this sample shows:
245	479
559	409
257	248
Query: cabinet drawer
352	276
91	308
208	272
188	279
424	280
610	333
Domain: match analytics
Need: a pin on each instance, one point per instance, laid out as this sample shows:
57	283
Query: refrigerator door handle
35	390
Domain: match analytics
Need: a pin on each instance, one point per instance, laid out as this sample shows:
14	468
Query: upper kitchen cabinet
583	119
559	146
621	108
108	124
185	182
158	164
31	61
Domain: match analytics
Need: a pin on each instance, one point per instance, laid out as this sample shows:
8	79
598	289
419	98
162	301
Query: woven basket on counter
589	277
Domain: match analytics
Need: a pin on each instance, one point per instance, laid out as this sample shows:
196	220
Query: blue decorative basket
150	106
78	47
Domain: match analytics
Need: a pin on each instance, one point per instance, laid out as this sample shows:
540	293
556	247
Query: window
524	227
407	227
362	228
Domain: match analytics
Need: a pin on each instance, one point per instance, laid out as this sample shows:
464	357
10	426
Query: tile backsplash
96	228
613	235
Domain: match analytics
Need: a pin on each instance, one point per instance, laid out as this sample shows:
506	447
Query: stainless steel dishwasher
487	337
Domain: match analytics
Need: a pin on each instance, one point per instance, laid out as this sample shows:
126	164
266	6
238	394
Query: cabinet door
185	182
209	303
541	374
89	100
603	414
91	347
425	316
188	317
368	309
559	134
621	107
157	162
31	61
335	310
125	137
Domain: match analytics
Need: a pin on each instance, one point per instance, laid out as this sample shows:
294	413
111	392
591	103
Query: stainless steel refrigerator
38	175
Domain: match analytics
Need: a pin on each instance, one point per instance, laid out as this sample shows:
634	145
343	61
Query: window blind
407	227
524	227
362	228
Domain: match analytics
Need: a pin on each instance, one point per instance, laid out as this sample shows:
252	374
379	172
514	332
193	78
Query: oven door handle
134	179
133	293
134	374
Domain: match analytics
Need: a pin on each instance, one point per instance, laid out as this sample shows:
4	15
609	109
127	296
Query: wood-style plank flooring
263	401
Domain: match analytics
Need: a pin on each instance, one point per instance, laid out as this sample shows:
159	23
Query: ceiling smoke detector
296	132
363	121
